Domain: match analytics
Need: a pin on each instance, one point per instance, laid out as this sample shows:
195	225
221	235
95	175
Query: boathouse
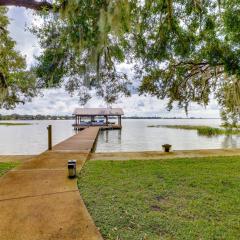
105	118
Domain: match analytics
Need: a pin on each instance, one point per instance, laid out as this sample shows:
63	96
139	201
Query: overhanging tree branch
31	4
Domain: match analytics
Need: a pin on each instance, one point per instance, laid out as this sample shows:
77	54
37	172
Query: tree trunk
32	4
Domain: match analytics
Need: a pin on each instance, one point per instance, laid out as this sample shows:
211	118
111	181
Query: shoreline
142	155
155	155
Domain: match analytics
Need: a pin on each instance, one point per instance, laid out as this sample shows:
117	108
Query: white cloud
20	21
58	102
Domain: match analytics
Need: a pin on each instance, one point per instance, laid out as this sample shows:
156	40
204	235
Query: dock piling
49	128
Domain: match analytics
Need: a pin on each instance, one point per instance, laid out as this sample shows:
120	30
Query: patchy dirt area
16	158
151	155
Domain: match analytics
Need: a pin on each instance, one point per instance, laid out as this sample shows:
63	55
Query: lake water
134	136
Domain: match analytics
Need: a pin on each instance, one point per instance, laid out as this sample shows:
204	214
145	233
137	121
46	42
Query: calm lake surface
134	136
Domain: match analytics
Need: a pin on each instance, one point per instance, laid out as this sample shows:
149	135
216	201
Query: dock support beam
78	120
107	120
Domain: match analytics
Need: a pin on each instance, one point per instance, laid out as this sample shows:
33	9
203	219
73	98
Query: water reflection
230	141
119	136
32	139
107	135
136	136
110	136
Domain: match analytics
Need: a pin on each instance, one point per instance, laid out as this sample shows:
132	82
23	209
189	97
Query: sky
58	102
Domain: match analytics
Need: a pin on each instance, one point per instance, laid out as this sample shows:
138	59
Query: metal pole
49	128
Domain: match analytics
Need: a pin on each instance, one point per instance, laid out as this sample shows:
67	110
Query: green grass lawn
166	199
4	167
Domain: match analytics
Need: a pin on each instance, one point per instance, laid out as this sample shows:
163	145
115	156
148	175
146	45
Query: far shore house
103	117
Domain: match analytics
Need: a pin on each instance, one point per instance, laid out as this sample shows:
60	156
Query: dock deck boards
83	141
39	202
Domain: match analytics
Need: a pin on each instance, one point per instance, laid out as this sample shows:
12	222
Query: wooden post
120	120
49	128
107	120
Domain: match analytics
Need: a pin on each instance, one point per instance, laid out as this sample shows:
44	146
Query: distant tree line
68	117
135	117
34	117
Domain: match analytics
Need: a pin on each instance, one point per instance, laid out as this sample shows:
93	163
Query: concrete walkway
38	201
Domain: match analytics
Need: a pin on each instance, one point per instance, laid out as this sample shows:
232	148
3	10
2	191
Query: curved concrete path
39	202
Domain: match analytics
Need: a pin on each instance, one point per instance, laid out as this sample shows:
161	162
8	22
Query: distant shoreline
17	117
190	118
8	124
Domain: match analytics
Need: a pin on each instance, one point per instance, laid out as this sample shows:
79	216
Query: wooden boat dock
101	127
83	141
100	117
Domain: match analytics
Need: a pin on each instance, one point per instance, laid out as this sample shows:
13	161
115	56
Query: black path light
72	166
166	147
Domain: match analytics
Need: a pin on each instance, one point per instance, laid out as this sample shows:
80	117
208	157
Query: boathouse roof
98	111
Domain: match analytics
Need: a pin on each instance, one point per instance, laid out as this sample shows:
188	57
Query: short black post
166	147
49	128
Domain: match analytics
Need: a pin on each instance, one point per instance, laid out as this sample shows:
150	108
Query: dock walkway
39	202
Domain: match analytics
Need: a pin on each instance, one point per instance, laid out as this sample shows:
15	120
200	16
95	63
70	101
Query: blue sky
58	102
